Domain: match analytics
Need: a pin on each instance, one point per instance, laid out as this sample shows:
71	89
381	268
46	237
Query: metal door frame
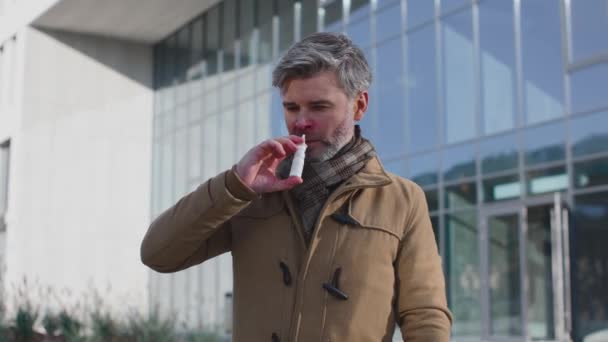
559	256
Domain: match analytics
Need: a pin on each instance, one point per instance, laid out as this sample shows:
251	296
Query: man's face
319	108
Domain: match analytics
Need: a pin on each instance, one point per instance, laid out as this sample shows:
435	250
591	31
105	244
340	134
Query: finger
288	144
295	138
273	147
286	184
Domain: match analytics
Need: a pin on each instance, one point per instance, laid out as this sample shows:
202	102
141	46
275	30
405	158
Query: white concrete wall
80	176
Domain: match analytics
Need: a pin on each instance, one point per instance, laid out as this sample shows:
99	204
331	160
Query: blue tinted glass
545	143
388	22
383	3
459	77
359	9
447	5
277	119
589	88
589	134
589	28
333	17
265	27
498	153
419	11
458	162
421	86
497	65
389	99
286	24
423	169
309	17
542	60
395	166
360	32
228	34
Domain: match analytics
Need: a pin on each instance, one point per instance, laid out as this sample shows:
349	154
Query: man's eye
291	109
319	108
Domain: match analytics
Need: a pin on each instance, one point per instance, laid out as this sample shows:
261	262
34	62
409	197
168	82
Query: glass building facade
498	109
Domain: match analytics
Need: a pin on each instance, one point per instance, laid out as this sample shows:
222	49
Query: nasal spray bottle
297	165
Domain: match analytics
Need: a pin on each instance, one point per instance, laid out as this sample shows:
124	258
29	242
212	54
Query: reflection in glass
212	42
459	77
228	33
504	275
589	267
435	223
333	17
501	188
589	28
180	163
286	24
540	281
263	118
497	65
463	195
265	26
245	127
419	11
246	26
589	134
541	60
227	132
545	143
588	88
194	151
210	138
309	17
395	166
389	84
432	199
360	32
462	268
458	162
388	22
421	87
498	154
591	173
546	180
359	9
423	169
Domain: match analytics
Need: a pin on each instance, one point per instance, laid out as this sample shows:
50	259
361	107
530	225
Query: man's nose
302	124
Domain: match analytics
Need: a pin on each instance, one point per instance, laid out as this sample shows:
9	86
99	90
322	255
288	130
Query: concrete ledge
144	21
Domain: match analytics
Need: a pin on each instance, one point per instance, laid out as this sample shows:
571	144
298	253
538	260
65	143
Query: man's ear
360	105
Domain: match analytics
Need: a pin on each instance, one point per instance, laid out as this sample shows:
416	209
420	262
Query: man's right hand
259	165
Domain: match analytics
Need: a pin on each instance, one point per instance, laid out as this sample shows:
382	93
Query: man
340	254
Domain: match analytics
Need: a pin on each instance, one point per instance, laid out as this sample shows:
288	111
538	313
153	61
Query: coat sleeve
423	314
197	227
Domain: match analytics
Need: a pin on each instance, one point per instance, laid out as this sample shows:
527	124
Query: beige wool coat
372	261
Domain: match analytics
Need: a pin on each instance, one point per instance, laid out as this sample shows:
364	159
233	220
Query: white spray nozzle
297	164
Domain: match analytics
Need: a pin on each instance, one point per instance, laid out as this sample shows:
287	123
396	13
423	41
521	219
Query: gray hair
325	51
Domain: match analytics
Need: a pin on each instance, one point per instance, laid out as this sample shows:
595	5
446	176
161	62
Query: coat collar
370	176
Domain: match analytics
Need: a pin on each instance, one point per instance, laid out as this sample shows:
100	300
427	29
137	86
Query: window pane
396	166
389	80
497	65
227	145
547	180
194	147
286	24
435	223
591	173
589	134
419	11
589	263
462	268
545	144
458	162
589	88
246	25
195	69
423	169
181	163
265	25
459	86
228	33
212	40
459	196
498	153
333	17
245	134
388	23
432	199
359	9
360	32
421	88
211	130
309	17
589	28
501	188
447	5
541	60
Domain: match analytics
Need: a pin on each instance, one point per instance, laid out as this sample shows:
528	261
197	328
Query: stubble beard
341	136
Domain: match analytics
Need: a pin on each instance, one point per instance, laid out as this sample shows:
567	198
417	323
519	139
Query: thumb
286	184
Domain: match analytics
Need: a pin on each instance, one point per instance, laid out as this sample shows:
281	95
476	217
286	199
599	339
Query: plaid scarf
321	178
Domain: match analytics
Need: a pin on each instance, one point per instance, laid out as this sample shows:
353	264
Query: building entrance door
525	270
